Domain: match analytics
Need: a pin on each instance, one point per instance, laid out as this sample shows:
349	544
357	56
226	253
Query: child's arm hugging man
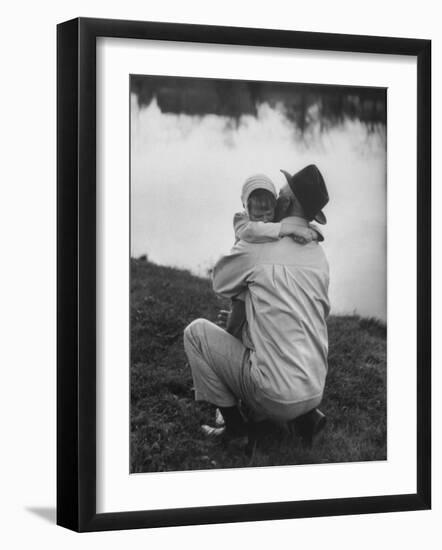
261	232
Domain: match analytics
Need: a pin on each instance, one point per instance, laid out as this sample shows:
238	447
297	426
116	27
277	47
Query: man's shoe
309	425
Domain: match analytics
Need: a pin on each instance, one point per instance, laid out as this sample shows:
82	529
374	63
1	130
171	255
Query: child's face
261	213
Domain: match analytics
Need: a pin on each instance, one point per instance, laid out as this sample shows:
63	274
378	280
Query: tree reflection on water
305	105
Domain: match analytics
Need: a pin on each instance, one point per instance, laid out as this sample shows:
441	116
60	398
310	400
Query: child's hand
301	235
310	235
316	233
300	240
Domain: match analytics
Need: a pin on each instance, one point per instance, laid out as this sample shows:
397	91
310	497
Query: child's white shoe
211	432
219	419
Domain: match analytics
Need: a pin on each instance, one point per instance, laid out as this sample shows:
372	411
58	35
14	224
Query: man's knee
195	329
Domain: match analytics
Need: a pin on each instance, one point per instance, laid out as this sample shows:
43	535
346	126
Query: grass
165	420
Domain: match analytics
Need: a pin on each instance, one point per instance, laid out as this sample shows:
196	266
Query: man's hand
232	321
223	318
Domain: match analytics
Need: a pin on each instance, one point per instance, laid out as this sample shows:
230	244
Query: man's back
286	306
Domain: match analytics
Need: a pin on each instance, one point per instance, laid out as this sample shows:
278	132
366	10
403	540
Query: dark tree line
304	104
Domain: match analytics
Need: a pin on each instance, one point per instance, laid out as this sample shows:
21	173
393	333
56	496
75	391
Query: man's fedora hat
309	187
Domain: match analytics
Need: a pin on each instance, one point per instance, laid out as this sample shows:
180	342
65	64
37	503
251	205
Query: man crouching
279	368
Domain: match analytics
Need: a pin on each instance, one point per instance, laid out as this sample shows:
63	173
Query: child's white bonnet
257	181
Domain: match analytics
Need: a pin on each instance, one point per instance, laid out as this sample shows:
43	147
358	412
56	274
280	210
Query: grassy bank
165	421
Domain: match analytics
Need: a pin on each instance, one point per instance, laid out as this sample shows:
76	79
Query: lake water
186	178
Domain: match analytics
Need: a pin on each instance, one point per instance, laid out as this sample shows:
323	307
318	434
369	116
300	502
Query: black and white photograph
258	273
220	297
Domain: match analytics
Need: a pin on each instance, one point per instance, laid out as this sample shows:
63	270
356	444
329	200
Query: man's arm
232	272
237	318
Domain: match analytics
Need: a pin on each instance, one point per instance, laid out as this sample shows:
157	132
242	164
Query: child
255	225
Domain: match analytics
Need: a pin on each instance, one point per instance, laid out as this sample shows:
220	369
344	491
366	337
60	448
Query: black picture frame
77	288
